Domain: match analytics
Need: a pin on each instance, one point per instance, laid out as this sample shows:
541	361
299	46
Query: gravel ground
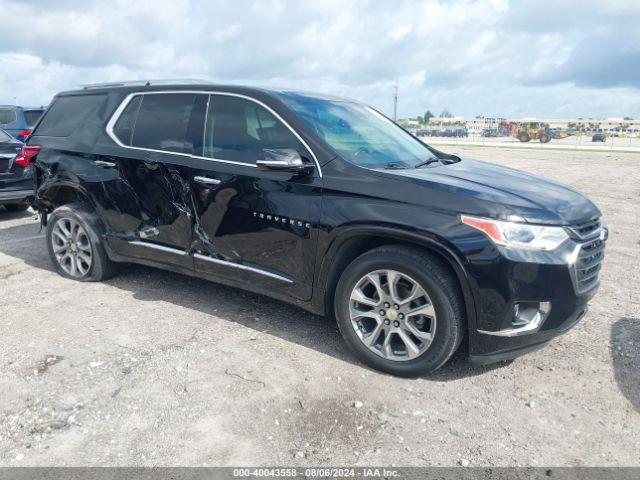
154	368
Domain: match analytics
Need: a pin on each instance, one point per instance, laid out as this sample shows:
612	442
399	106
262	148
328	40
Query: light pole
395	102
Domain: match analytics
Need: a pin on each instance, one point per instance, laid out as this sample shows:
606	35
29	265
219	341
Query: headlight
518	235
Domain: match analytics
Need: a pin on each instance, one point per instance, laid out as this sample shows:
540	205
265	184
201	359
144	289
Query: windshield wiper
393	166
427	162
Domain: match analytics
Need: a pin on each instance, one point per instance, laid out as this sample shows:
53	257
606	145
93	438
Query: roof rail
146	83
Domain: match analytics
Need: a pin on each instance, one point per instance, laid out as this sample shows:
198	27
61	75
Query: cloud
471	56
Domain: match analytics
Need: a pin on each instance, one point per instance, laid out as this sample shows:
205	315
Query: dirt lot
153	368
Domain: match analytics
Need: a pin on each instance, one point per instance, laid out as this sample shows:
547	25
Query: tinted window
237	129
162	122
67	114
32	116
124	126
7	115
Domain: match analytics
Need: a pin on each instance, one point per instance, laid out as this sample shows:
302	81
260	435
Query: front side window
162	122
7	116
237	129
358	133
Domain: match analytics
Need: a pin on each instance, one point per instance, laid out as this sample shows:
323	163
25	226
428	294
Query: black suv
321	202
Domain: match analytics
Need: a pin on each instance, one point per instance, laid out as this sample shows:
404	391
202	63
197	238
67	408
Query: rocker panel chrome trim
242	267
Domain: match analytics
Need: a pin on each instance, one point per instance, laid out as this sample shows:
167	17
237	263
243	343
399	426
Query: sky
516	59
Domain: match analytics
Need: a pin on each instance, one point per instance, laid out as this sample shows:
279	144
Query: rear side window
124	126
67	114
162	122
32	116
7	116
237	129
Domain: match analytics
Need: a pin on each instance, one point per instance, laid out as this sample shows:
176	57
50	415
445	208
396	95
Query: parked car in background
19	121
16	174
598	137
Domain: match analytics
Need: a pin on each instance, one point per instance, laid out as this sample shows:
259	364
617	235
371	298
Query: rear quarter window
69	113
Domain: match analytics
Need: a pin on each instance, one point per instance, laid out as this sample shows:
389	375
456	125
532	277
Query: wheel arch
352	242
53	195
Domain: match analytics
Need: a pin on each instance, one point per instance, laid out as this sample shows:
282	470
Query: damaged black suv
321	202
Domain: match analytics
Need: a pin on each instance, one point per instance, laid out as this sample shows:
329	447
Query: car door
151	214
255	227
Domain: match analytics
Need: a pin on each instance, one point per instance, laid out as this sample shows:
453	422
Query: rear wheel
16	207
544	138
524	137
400	310
75	246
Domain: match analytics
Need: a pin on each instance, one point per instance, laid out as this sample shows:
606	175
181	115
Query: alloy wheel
71	247
392	315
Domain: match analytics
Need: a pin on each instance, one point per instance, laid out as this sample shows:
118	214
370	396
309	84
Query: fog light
528	317
530	312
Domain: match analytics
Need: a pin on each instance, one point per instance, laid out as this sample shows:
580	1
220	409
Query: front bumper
496	349
503	280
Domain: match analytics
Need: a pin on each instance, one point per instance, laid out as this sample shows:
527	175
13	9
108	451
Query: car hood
502	192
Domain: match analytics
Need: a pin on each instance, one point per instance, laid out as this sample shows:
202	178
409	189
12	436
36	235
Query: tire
523	137
544	138
85	242
441	290
16	207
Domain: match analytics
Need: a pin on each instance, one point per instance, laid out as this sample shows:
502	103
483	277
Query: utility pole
395	102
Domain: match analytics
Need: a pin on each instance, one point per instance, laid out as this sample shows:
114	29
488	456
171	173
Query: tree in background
446	114
427	116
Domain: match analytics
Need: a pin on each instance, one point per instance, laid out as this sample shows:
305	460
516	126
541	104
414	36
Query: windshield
359	133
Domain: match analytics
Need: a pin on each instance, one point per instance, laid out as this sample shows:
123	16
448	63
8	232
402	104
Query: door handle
101	163
207	180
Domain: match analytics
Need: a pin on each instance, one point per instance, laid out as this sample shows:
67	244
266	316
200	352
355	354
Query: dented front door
256	227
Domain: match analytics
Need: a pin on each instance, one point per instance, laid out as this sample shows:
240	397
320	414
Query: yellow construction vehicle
526	131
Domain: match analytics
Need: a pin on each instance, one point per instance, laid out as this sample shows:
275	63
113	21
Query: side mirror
281	159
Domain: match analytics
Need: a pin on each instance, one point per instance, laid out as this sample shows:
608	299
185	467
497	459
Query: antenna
395	102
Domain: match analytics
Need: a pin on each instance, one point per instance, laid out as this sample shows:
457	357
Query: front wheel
400	310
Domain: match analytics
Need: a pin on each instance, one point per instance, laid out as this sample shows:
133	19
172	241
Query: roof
195	85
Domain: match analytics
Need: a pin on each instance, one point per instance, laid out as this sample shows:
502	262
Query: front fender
341	236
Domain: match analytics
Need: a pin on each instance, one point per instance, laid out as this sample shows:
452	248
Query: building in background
498	126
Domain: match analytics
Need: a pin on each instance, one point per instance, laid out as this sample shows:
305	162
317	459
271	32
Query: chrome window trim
118	112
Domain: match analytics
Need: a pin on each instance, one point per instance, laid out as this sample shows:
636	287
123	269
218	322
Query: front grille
586	229
588	264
